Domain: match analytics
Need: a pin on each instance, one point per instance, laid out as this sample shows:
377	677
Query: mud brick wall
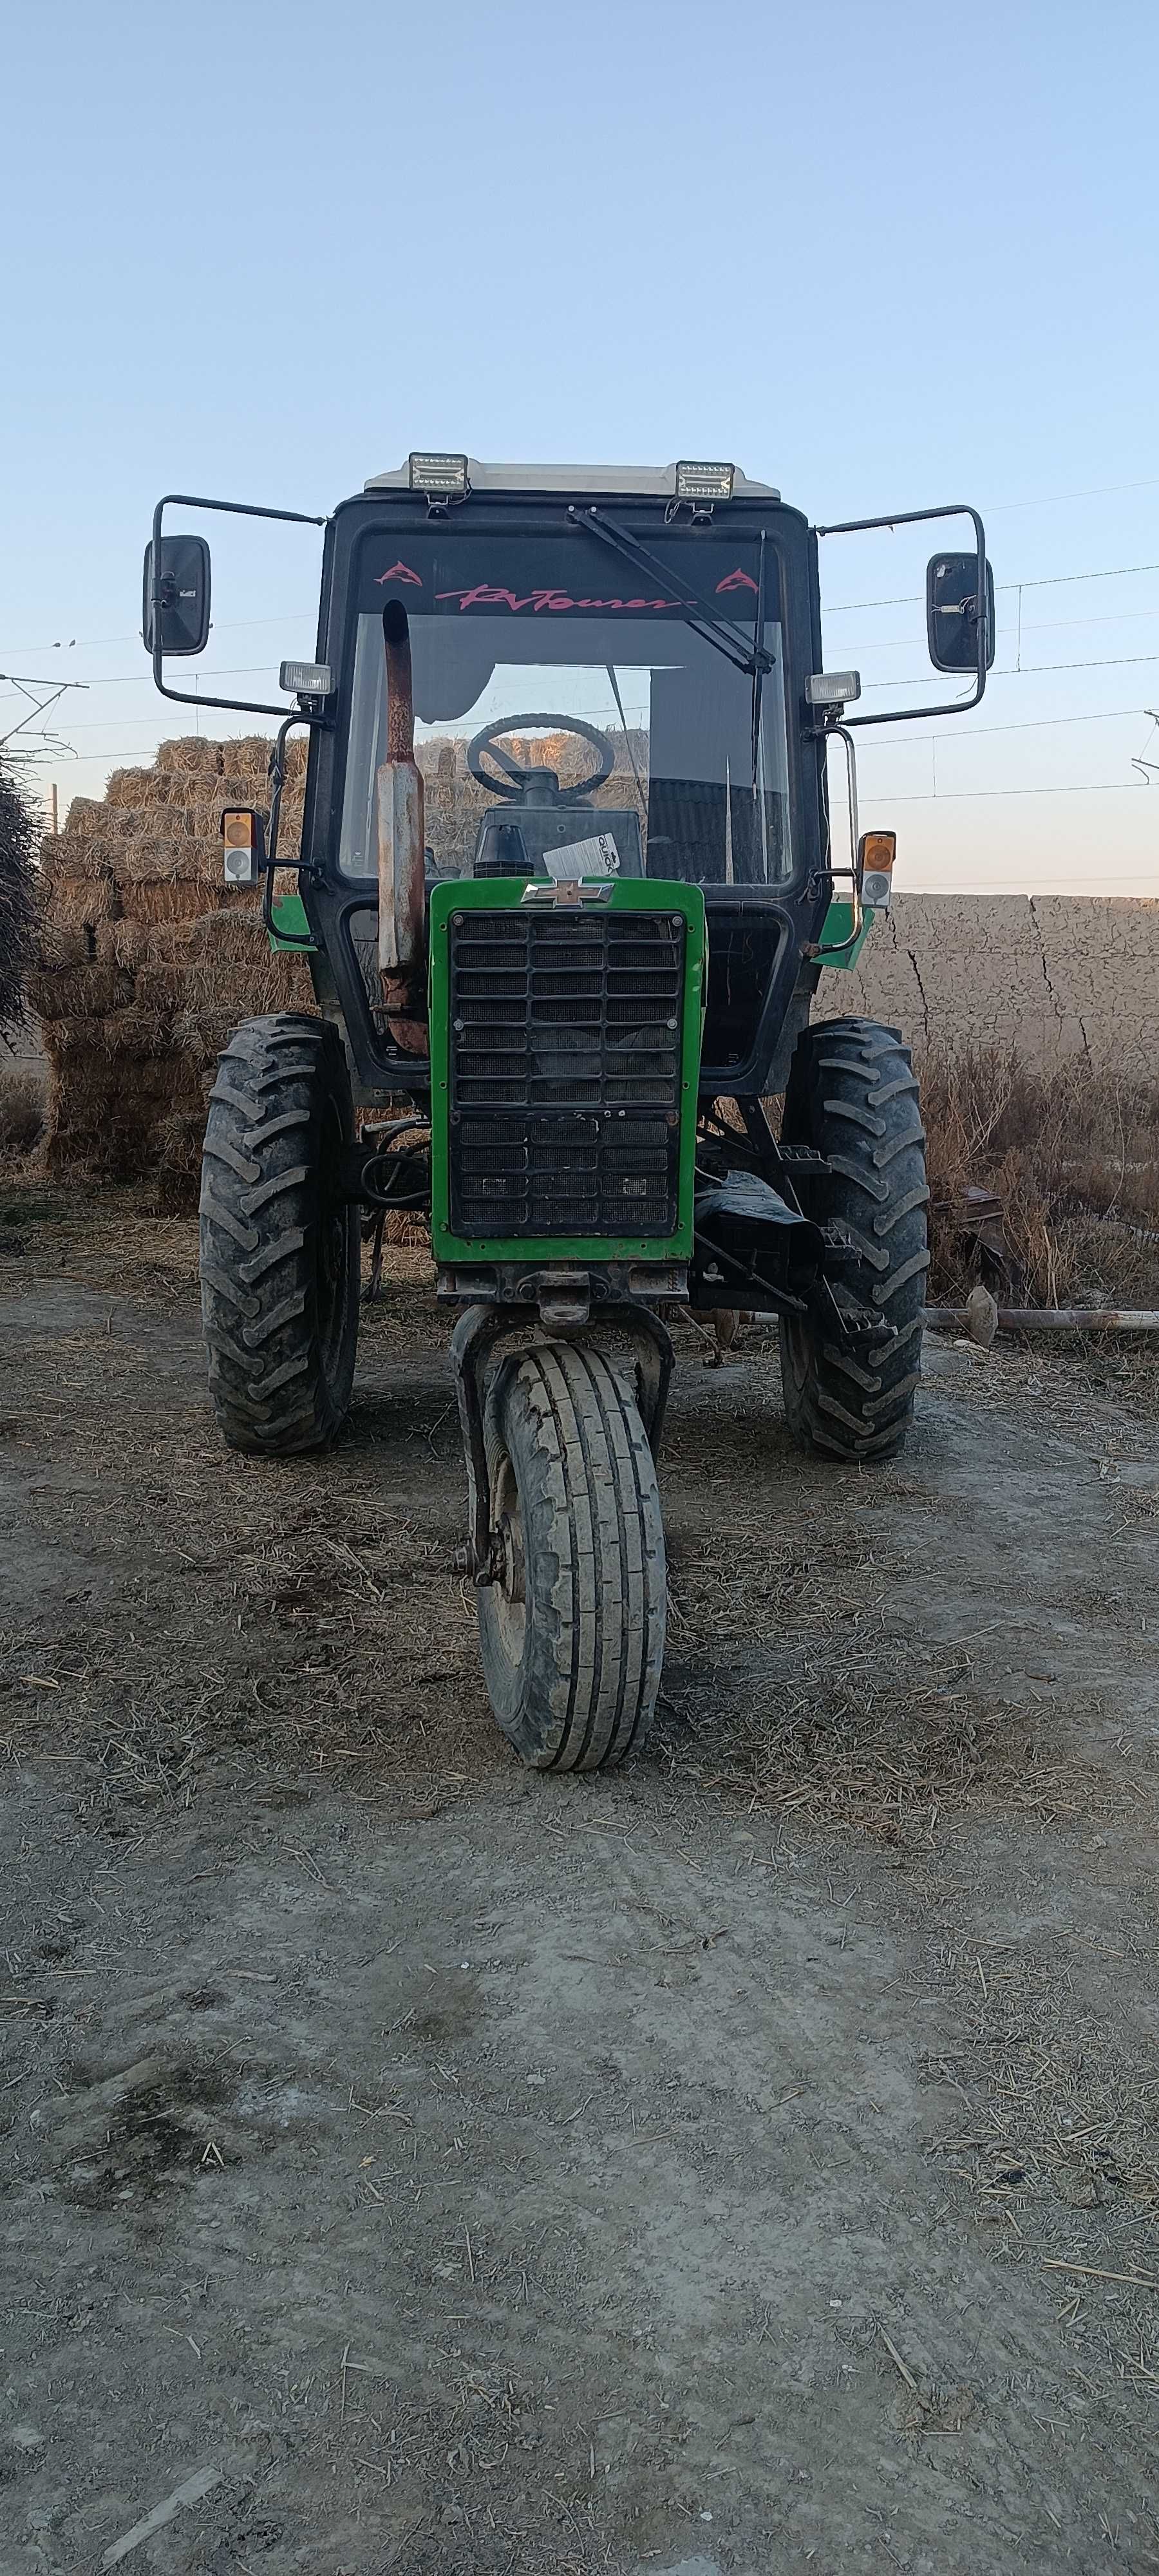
1053	975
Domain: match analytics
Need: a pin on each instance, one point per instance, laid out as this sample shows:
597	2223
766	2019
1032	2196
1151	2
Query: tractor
566	891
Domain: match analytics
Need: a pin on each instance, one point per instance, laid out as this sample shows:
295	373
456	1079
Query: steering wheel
518	781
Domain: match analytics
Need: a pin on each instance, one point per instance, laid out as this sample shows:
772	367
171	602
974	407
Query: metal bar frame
237	510
908	518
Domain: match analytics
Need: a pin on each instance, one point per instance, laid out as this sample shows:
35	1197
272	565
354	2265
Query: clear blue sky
881	254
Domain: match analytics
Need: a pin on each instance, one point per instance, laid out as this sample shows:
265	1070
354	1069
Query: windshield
676	714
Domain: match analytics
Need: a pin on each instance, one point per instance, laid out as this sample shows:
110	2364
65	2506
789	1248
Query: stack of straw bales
148	961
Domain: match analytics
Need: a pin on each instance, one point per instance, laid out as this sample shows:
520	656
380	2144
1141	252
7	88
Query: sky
883	255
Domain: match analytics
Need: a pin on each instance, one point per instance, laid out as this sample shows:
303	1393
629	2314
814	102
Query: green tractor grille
565	1072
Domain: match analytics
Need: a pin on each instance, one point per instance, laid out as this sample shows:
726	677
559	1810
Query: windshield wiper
751	659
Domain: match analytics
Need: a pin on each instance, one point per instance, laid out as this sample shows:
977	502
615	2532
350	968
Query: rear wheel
853	1097
572	1637
279	1247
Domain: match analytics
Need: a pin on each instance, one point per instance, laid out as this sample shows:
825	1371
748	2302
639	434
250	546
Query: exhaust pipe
401	849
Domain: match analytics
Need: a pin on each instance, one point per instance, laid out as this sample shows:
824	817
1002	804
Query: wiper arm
753	660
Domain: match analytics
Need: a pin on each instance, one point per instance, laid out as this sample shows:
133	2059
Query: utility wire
966	795
1041	581
1107	662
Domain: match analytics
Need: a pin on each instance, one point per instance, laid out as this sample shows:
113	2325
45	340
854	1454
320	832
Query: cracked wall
1053	975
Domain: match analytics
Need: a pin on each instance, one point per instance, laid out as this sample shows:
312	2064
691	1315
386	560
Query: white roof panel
654	481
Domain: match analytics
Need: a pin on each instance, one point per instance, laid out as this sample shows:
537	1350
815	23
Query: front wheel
572	1636
852	1097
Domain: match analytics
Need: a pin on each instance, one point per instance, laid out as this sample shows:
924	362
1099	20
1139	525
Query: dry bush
22	1112
17	897
1072	1154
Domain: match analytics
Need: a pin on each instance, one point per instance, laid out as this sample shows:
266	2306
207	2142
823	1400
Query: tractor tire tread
279	1372
583	1690
853	1097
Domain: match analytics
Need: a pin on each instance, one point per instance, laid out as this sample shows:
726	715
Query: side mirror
183	595
952	612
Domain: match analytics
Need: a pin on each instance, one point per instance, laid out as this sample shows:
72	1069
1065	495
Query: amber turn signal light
243	844
877	853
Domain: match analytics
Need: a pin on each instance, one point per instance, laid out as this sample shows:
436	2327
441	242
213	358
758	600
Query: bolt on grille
565	1073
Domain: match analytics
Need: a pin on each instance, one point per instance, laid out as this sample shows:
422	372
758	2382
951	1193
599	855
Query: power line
1041	581
131	635
1093	492
966	795
1031	626
1022	671
1026	724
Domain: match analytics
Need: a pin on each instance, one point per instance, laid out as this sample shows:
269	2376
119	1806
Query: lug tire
279	1255
573	1670
852	1095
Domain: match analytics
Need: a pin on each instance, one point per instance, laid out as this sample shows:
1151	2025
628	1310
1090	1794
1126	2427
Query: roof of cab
651	480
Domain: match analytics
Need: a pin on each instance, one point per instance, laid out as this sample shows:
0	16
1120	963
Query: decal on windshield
487	595
483	594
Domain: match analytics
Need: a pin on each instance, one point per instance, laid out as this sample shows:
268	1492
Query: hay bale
130	1033
106	1113
78	992
84	815
83	857
122	943
232	966
162	854
165	899
129	787
202	1035
192	755
22	1112
61	944
138	1032
408	1226
81	900
245	754
161	988
138	943
231	932
251	987
178	1178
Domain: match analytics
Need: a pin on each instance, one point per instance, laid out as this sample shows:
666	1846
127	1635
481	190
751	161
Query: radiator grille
565	1073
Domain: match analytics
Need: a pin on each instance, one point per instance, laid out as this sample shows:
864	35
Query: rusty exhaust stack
401	849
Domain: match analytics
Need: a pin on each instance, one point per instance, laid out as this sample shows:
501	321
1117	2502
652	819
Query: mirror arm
906	518
277	774
854	870
236	509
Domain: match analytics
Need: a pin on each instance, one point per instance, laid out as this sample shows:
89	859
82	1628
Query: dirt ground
743	2162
